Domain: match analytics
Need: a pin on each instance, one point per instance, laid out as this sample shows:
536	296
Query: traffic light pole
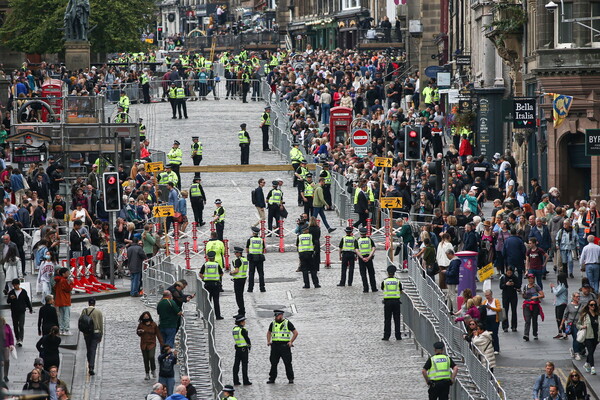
111	245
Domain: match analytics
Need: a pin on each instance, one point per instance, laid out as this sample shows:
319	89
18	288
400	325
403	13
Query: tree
35	26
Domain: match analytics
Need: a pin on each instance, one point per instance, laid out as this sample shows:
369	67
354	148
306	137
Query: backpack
86	323
253	194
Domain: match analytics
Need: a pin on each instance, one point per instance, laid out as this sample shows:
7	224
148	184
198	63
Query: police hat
303	162
228	388
196	179
363	230
305	227
173	83
277	312
275	183
438	345
309	175
237	249
267	108
176	142
243	126
218	201
349	229
255	229
295	144
325	165
211	254
167	165
239	318
391	269
195	137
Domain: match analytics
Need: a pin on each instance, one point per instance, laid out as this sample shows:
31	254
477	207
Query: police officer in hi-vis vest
196	152
281	337
172	95
219	218
242	350
175	156
265	125
392	289
239	273
305	242
211	273
300	175
255	248
244	139
197	200
275	201
347	256
365	250
439	372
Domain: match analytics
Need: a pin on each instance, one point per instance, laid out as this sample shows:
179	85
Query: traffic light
412	143
112	191
159	31
435	172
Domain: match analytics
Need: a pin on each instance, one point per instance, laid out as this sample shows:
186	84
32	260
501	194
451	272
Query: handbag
178	217
568	328
581	335
432	270
502	314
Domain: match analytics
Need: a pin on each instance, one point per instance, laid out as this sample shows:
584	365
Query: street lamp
551	6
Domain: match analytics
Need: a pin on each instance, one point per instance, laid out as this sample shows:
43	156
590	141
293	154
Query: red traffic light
412	134
111	180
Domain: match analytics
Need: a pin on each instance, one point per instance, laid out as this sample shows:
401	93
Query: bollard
350	222
388	243
369	227
157	227
205	257
327	251
188	264
176	238
212	226
281	235
263	234
226	242
318	222
195	236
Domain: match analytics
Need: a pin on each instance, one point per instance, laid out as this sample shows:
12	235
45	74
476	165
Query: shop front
347	32
325	33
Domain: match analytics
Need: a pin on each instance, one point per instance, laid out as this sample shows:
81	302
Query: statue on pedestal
77	20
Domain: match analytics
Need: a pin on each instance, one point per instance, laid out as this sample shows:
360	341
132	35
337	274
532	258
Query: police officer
439	372
239	274
228	391
392	289
145	81
122	117
198	200
306	248
168	176
296	158
219	218
242	350
173	99
244	139
245	85
196	153
347	256
300	175
216	245
142	130
255	248
175	157
211	273
265	124
181	105
275	201
307	194
281	336
124	101
326	175
365	250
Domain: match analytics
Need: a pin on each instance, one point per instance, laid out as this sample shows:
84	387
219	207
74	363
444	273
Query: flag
560	107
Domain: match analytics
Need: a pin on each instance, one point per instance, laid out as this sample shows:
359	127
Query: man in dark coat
135	257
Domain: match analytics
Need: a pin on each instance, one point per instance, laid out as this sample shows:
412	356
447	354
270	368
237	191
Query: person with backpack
566	243
166	372
541	388
91	325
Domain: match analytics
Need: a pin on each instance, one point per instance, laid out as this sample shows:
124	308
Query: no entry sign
360	137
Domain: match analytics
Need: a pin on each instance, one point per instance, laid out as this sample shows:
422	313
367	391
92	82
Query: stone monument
76	25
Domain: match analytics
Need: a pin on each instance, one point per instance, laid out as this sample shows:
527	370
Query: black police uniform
439	390
348	260
214	290
391	308
256	264
281	350
238	288
197	203
241	357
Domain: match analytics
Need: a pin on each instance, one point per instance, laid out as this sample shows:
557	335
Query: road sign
462	60
486	272
383	161
360	137
155	166
163	211
391	202
592	142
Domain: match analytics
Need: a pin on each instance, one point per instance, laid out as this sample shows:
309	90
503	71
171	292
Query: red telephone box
52	93
339	125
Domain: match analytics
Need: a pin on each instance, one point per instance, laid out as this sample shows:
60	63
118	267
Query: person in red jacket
466	149
62	300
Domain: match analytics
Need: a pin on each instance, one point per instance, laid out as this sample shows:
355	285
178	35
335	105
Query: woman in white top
81	214
442	260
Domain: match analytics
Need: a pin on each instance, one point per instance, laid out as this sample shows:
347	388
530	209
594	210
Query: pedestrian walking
47	316
365	250
561	293
239	272
255	247
219	218
347	256
168	317
62	289
275	201
242	350
53	382
149	333
175	156
542	385
440	373
588	320
19	302
510	283
589	260
306	248
265	124
197	200
532	294
392	290
91	325
211	273
8	341
35	384
258	200
45	275
166	362
281	337
244	138
326	175
576	388
319	204
569	324
361	205
135	263
48	348
536	261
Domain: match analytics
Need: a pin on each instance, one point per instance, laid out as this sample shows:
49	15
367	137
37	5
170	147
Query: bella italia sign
523	112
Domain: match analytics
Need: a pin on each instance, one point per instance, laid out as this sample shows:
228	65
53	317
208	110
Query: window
563	34
595	23
347	4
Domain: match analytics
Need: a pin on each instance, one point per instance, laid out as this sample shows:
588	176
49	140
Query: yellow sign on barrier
154	166
383	161
486	272
391	202
163	211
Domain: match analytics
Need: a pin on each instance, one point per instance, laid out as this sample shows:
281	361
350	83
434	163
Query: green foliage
508	18
464	120
35	26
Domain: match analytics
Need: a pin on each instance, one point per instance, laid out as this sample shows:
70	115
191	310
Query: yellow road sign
155	166
486	272
391	202
163	211
383	161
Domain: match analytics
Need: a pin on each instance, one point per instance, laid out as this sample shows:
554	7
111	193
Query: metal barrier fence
235	41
